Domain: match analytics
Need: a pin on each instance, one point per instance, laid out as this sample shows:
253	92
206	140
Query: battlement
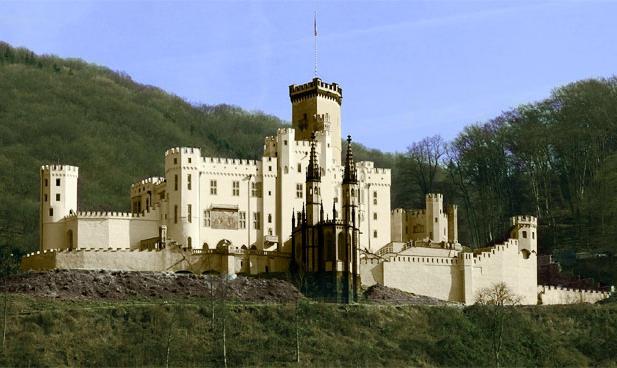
65	168
316	87
155	180
285	131
183	150
434	196
524	220
108	214
437	261
561	288
231	161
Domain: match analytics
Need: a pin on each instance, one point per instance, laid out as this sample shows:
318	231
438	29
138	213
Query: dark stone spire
312	172
321	211
293	218
350	175
334	211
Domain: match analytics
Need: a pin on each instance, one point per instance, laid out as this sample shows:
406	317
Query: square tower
316	107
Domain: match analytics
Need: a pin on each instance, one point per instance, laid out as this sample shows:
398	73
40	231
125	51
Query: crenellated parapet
156	180
528	221
182	150
315	88
60	170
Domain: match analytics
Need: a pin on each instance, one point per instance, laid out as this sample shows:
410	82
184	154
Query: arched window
189	242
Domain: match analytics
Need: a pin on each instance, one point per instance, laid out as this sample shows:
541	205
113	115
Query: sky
408	69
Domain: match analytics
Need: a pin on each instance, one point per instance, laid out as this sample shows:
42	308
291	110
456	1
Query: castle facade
300	208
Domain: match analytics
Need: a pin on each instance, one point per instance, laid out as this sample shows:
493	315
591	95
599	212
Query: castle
301	208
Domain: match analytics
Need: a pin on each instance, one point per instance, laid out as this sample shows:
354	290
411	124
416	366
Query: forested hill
68	111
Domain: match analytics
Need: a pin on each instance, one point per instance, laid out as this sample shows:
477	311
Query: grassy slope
67	111
44	332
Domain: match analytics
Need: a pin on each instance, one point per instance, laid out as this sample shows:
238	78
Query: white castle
210	214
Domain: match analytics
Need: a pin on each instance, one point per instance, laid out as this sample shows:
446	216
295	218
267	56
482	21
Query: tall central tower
316	106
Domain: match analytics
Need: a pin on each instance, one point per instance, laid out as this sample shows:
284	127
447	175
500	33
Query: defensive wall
548	294
172	259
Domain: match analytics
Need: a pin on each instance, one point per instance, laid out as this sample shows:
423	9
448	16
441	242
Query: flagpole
315	39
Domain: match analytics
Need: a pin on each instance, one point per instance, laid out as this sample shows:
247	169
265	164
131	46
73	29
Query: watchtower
315	107
58	198
525	229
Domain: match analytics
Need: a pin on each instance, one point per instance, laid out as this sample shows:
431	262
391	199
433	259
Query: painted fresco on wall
224	219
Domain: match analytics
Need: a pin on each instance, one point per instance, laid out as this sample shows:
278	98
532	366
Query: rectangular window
299	191
188	182
175	214
270	168
236	188
213	187
256	220
524	234
190	160
57	182
45	196
242	220
375	234
58	197
175	182
375	216
190	213
253	189
46	183
207	218
374	197
51	212
299	167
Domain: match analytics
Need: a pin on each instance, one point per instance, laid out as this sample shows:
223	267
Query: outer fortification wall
558	295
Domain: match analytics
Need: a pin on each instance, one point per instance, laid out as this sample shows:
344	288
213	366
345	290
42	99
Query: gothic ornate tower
314	211
315	107
350	209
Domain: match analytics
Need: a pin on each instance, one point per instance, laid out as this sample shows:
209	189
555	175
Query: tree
498	301
424	159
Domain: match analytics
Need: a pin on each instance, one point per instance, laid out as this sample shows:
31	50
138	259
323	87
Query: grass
47	332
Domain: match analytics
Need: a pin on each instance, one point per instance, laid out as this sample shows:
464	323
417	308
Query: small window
45	197
435	219
269	231
57	197
189	241
269	218
190	160
375	216
51	212
286	169
256	220
374	233
285	142
242	220
175	161
213	187
57	182
175	182
190	213
207	218
299	190
236	188
524	234
253	189
270	168
299	167
189	184
374	197
533	235
175	214
46	182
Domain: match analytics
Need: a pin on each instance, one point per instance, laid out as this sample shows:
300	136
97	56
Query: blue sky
408	69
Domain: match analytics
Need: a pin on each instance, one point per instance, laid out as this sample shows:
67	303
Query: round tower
58	198
182	169
525	229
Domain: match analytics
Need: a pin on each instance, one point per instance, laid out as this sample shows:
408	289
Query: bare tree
424	158
499	300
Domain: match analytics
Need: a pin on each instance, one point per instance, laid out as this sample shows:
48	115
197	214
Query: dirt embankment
71	284
118	285
384	295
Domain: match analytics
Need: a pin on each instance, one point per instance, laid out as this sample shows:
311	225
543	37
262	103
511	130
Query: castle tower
58	196
316	106
182	174
453	223
525	229
314	212
436	224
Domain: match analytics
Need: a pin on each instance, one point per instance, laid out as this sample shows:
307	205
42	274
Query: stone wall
548	294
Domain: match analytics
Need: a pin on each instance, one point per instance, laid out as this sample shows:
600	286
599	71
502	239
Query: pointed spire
350	176
293	218
303	213
334	211
321	211
312	172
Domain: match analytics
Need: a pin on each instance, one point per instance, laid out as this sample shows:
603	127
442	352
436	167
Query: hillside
116	130
187	333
